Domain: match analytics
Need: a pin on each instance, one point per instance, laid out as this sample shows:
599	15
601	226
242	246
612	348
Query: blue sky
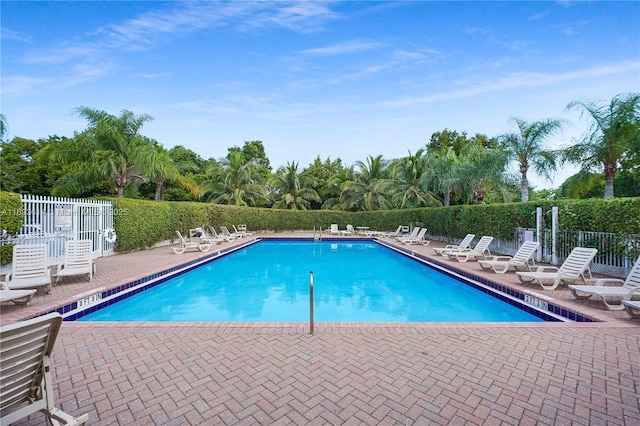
335	79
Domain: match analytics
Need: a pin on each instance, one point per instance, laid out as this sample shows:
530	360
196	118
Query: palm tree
527	149
235	184
615	129
111	147
481	168
410	181
292	190
443	174
3	126
161	169
335	183
371	188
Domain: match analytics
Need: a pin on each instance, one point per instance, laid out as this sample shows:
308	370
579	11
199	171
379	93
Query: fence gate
54	220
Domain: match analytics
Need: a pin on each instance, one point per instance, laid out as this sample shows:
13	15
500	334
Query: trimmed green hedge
142	223
11	217
620	215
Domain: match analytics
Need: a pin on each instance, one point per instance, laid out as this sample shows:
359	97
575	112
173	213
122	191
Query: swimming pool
354	282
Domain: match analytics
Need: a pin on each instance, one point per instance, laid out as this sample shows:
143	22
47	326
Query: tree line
112	157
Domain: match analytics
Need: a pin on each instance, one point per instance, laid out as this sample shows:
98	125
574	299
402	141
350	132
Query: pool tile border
72	312
505	293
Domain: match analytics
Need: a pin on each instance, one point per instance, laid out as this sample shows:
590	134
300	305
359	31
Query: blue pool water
353	282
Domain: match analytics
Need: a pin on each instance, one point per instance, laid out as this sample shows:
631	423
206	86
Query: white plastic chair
30	267
77	260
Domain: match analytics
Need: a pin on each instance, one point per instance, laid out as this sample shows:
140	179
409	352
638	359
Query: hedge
142	223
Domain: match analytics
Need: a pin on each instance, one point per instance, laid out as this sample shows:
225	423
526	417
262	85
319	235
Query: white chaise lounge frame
523	258
481	249
621	290
574	268
464	244
25	371
18	297
189	245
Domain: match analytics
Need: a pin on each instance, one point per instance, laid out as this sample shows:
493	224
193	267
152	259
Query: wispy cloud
302	17
9	34
150	29
574	28
149	76
347	47
62	55
22	85
538	16
515	81
405	55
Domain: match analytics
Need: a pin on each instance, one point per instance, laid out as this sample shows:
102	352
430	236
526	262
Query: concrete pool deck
396	374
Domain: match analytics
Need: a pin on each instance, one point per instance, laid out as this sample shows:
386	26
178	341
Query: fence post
539	234
554	235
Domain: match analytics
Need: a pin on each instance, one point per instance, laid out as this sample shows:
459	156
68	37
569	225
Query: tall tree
526	147
371	188
292	190
4	127
482	169
111	147
443	174
336	182
21	168
446	139
411	181
613	132
254	152
161	170
323	174
234	184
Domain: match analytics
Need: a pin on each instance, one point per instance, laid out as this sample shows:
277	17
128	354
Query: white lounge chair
189	245
480	250
30	267
413	234
464	244
388	234
334	229
348	231
18	297
25	371
623	290
215	237
224	231
632	307
523	258
200	235
418	239
574	268
77	260
241	230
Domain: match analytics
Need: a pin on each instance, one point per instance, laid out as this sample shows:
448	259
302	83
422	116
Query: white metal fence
54	220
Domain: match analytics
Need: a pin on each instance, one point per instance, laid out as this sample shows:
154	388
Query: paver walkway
344	374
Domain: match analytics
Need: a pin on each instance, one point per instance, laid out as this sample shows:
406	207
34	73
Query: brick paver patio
344	374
